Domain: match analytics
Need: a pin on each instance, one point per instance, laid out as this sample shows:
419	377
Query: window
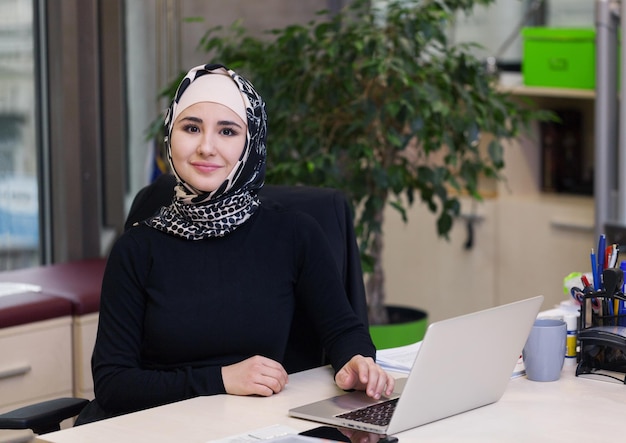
19	207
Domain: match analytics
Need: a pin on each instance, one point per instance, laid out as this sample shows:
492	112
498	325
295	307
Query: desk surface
572	409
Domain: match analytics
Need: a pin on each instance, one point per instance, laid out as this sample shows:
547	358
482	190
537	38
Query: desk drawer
21	436
35	361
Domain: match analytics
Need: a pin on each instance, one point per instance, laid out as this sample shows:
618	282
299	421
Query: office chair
328	207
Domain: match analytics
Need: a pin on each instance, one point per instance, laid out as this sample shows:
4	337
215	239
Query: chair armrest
43	417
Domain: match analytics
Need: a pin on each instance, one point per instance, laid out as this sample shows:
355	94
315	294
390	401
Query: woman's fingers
364	374
254	376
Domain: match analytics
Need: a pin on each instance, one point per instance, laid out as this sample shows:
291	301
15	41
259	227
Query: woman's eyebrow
229	123
191	118
220	123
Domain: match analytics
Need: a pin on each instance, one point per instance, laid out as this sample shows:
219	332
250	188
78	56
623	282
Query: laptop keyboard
378	414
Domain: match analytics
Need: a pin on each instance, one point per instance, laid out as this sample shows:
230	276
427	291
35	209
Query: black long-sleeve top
174	312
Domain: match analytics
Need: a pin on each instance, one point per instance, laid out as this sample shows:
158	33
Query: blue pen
621	311
594	271
601	253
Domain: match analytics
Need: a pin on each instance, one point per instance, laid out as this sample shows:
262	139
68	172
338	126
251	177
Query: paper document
398	359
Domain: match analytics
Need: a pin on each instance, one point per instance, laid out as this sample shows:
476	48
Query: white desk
569	410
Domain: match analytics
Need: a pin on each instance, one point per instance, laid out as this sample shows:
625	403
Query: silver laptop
463	363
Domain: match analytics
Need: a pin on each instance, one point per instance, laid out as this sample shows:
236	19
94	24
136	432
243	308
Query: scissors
579	297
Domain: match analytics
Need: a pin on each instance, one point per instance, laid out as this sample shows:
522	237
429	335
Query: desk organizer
602	335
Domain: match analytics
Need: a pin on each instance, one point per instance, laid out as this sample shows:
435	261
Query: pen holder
602	336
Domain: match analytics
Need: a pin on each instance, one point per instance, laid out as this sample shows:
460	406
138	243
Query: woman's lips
205	167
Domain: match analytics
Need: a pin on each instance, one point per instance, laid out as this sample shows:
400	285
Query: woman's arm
319	286
123	382
345	338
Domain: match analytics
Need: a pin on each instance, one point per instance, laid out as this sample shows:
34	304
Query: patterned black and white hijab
195	214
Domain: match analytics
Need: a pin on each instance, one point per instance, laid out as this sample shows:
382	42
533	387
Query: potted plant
377	102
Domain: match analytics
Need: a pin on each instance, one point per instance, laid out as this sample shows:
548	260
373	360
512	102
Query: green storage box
559	57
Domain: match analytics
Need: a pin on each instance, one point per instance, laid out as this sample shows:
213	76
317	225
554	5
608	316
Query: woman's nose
206	145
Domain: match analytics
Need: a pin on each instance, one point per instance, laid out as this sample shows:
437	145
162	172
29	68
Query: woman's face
207	141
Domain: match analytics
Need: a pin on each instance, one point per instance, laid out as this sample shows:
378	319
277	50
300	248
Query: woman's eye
191	128
228	131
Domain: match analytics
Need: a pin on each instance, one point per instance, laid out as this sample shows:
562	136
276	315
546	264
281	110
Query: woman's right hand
254	376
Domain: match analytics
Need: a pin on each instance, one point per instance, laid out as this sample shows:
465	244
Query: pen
594	270
601	255
621	312
585	281
612	282
612	254
619	288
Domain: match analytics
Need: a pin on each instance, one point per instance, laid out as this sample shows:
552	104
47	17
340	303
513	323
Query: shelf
537	91
513	83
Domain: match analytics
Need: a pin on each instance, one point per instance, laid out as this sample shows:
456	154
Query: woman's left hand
362	373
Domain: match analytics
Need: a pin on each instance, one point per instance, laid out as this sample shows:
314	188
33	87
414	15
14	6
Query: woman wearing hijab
198	299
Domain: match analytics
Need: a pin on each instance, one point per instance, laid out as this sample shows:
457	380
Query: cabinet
36	362
543	236
77	285
524	240
36	365
47	336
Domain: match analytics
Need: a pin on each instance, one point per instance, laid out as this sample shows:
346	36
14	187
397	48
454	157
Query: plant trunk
375	287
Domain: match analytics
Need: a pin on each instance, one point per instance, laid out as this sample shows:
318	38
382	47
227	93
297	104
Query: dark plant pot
406	326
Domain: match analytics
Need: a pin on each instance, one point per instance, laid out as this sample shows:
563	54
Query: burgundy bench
77	282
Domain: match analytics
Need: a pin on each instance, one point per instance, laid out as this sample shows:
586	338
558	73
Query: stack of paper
398	359
8	288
